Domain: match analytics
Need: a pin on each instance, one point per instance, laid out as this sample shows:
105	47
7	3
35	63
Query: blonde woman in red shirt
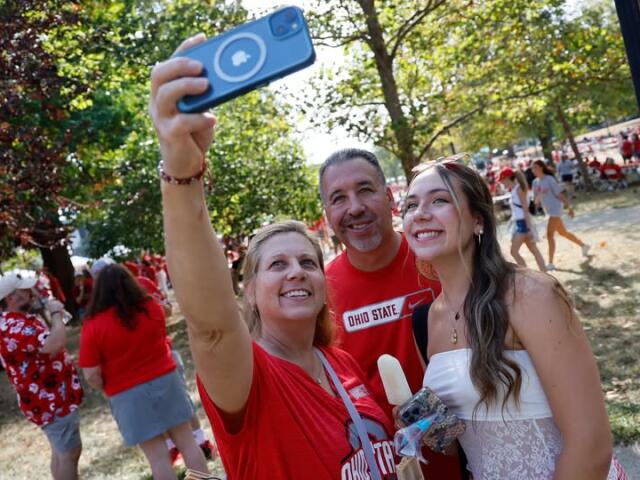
282	402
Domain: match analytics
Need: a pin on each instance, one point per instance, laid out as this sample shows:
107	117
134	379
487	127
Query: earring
480	237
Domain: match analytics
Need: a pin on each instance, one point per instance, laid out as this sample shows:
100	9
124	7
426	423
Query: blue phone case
250	56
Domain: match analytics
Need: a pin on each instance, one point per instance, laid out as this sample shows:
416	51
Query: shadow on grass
608	306
111	457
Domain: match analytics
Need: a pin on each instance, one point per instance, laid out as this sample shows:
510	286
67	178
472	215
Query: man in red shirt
373	285
40	370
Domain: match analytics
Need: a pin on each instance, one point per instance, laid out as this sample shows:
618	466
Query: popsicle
393	379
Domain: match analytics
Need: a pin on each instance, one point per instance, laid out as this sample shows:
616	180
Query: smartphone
250	56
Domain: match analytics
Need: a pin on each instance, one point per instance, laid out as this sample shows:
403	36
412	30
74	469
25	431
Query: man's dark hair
345	155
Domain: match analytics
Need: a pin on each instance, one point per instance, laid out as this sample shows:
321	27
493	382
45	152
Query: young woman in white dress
506	350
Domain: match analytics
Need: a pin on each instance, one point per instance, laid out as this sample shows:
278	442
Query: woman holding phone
271	384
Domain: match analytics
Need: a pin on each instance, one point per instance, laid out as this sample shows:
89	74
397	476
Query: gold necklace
454	330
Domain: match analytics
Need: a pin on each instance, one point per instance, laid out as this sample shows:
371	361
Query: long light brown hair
485	309
324	331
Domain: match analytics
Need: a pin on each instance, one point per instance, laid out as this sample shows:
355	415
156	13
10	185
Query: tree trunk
572	141
58	261
545	136
384	64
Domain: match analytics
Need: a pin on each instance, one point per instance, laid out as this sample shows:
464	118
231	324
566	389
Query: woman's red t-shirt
127	357
292	428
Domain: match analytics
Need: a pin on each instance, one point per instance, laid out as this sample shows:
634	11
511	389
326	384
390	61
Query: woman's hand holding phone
184	138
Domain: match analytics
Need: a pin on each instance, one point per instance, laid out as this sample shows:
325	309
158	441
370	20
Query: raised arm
219	339
562	356
57	334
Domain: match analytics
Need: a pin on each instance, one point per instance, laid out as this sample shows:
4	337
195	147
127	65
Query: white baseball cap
11	282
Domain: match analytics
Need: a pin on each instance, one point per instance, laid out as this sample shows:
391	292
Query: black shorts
568	178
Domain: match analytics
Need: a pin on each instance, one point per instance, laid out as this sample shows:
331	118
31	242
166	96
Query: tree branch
477	109
412	23
342	41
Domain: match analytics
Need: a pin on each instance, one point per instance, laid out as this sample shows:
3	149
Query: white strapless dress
517	443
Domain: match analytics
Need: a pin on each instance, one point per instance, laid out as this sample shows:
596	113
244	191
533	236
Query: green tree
391	165
35	137
418	70
101	169
258	169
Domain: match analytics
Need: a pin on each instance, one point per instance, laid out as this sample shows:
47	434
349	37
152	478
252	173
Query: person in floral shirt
41	371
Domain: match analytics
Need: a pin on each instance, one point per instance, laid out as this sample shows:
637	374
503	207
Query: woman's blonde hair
324	331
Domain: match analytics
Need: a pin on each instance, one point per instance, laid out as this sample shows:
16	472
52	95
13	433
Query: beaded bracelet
165	177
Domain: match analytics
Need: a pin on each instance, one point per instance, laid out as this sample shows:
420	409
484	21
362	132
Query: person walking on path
41	371
523	233
549	194
124	352
565	171
282	401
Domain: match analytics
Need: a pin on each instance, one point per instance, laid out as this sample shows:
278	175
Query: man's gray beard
367	245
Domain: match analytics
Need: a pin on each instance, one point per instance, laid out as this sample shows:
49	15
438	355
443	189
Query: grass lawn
606	291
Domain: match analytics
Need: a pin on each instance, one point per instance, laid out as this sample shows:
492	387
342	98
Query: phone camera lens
285	22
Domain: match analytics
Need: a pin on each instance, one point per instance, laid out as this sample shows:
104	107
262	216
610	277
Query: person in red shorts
374	286
124	353
41	371
283	403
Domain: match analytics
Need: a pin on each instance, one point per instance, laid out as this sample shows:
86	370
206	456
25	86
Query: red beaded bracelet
165	177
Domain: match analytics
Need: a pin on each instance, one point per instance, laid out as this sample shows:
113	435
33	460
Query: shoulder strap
367	448
419	323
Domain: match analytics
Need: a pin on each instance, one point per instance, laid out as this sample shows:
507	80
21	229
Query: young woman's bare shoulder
536	296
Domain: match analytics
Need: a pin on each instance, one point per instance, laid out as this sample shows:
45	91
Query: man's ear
390	196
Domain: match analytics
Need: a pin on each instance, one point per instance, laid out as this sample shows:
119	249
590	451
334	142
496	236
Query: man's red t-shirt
47	385
373	311
373	315
292	428
127	357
